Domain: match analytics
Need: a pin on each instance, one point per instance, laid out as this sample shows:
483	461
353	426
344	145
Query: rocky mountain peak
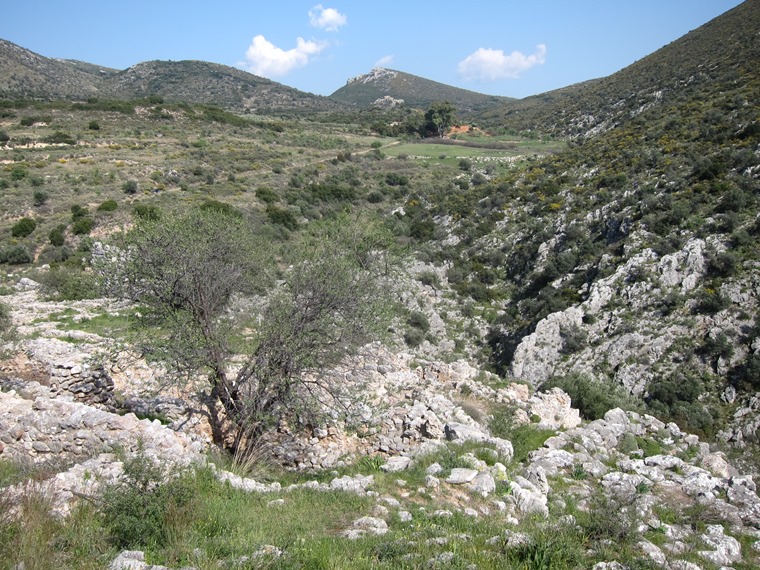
376	74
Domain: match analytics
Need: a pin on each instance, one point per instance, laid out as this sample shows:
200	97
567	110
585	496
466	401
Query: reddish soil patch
463	129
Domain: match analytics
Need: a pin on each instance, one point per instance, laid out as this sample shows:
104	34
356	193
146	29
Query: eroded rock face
631	337
538	353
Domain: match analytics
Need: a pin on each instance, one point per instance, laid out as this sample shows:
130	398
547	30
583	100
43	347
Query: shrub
333	192
18	172
40	197
414	337
4	137
15	254
138	510
266	195
722	264
375	197
54	254
129	187
67	282
77	212
673	389
419	321
220	207
422	229
478	179
23	227
396	179
746	375
146	212
711	302
281	217
593	399
59	137
93	126
573	339
430	279
5	318
83	226
108	206
57	236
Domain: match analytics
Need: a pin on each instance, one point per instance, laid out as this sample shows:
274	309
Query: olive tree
191	271
440	116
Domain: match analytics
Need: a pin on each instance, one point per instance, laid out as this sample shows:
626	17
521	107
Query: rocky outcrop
408	412
50	429
627	329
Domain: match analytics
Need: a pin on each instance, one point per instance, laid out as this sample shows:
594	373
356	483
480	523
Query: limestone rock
395	464
538	353
554	409
461	475
483	484
725	549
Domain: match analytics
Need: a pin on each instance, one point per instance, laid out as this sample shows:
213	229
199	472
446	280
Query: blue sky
505	47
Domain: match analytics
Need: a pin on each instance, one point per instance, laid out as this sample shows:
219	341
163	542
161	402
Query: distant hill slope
363	91
26	74
203	82
724	50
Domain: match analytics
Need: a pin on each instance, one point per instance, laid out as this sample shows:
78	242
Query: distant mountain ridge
723	51
702	56
375	87
26	74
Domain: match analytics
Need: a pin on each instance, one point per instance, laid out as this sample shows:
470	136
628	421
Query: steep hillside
719	54
381	87
24	74
631	258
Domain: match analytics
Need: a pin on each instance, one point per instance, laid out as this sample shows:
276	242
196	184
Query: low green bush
67	282
23	227
15	254
593	399
57	235
282	217
108	206
129	187
77	212
40	197
266	195
59	137
414	337
83	226
147	212
419	321
140	510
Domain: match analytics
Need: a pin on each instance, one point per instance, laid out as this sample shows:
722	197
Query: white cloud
491	64
264	58
328	19
383	61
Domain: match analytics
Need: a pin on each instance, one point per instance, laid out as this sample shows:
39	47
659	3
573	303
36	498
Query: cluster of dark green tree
258	332
435	121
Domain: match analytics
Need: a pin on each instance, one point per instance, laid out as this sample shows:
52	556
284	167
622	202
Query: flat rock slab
461	475
394	464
